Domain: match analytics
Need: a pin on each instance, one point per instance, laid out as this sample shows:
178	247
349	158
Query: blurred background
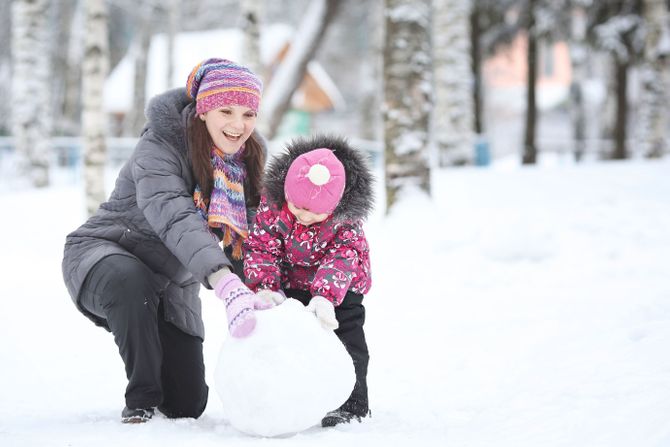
419	84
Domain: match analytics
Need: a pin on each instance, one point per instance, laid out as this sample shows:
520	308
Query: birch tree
615	27
452	119
407	69
75	55
251	11
5	66
95	69
62	15
134	120
30	88
653	114
289	75
578	59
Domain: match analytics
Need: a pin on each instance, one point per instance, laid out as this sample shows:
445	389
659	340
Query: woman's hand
240	304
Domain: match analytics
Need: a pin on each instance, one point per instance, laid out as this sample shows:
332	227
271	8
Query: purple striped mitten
239	301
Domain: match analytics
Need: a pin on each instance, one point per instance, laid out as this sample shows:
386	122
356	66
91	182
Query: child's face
306	217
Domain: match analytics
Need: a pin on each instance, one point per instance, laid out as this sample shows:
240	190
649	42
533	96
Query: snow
520	307
264	380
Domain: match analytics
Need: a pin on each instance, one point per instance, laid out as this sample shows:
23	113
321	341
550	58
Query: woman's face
229	126
304	216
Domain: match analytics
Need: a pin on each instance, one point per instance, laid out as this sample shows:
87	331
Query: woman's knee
126	283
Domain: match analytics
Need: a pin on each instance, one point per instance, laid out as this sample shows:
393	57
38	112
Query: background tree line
410	71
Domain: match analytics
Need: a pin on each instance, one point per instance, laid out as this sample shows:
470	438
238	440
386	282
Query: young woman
135	267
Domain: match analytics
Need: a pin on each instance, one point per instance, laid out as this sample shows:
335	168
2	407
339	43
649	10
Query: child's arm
341	264
263	250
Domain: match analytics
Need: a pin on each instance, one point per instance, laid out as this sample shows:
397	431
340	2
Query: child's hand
266	299
324	311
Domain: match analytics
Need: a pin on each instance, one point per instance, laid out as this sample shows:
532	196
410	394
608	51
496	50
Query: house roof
190	49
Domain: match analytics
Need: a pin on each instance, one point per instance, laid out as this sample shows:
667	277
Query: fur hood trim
357	200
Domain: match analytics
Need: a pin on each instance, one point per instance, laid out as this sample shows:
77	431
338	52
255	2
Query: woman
135	267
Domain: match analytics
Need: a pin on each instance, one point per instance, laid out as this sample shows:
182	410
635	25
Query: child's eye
225	111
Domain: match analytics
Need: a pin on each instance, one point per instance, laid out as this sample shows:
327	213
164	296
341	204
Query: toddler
307	243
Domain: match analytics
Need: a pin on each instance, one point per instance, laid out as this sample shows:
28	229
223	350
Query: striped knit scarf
226	208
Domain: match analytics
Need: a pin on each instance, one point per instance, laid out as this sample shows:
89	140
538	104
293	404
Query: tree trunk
407	104
529	148
251	19
62	15
653	115
95	68
452	117
578	55
134	121
476	60
289	75
31	88
5	67
75	56
621	76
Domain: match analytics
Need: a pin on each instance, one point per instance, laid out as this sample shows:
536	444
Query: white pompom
318	174
285	376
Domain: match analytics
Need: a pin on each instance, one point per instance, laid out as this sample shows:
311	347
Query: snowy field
522	307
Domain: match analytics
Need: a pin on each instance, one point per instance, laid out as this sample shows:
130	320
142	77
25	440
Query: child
307	243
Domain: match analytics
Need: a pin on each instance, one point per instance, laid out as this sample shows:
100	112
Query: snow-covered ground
520	307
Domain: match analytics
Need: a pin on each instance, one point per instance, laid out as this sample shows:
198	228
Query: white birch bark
95	69
452	119
5	67
653	112
31	125
578	59
407	96
251	12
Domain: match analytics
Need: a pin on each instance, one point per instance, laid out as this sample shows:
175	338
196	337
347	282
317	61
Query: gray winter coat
151	216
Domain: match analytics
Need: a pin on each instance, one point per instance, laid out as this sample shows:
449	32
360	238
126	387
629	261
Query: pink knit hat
214	83
315	181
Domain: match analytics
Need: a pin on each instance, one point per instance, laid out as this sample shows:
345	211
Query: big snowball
285	376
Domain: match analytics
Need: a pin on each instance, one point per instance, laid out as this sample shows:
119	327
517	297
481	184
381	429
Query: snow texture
266	381
519	307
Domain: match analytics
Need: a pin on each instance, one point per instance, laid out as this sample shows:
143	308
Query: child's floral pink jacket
327	258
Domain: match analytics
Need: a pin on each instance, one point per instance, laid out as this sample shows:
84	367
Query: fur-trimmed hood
167	115
357	200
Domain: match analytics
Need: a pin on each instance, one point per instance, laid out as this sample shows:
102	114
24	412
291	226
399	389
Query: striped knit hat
215	83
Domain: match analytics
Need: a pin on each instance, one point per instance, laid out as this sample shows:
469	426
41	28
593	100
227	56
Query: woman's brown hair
201	145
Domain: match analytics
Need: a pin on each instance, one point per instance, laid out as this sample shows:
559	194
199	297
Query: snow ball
285	376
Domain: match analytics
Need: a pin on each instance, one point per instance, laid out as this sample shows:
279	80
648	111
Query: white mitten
266	299
324	311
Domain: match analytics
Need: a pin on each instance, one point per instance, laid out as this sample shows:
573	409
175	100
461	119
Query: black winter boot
343	416
137	415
